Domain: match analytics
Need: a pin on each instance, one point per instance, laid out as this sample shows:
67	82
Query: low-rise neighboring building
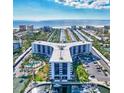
17	44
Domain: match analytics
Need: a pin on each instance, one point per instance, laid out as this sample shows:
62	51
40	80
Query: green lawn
38	78
42	74
67	36
77	38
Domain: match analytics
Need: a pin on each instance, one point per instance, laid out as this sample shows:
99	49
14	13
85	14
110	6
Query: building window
71	50
56	66
79	49
57	77
48	50
38	47
64	77
74	50
51	50
84	48
43	48
64	68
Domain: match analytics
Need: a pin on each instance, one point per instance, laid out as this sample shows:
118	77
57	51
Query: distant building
90	27
22	27
106	28
17	44
60	54
47	28
73	27
15	30
62	0
30	28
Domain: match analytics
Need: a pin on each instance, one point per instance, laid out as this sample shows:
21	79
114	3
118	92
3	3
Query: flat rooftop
61	51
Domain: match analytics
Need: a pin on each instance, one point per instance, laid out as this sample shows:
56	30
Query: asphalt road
102	62
62	36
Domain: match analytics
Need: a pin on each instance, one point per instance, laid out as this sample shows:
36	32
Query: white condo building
61	56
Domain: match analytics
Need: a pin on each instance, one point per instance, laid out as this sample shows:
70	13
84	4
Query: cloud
96	4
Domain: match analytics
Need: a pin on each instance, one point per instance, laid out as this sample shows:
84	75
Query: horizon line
57	19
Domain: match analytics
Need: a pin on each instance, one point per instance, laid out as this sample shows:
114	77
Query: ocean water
57	23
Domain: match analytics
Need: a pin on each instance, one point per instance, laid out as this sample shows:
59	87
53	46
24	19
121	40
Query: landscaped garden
42	74
81	74
34	58
39	57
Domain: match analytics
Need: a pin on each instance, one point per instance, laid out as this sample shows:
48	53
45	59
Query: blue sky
50	10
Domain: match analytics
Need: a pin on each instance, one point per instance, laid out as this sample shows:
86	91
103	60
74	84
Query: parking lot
19	84
95	71
85	59
93	66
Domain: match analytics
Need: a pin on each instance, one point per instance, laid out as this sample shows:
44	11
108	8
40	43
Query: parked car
92	76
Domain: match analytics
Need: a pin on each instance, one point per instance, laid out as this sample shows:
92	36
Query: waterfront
55	23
